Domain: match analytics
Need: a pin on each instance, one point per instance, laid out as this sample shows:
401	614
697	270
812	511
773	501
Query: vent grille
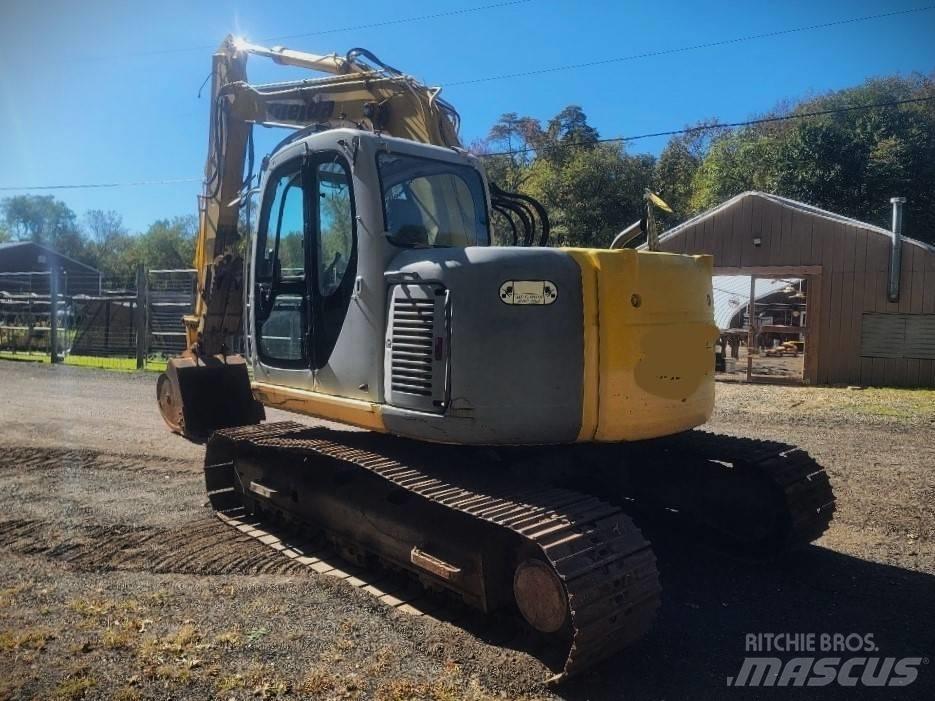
411	358
887	335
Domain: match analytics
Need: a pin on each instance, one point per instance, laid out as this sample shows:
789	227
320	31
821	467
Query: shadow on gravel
711	601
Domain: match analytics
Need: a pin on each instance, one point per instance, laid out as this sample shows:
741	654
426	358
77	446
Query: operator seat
405	224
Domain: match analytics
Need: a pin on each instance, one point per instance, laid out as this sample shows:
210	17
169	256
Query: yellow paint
323	406
589	405
649	339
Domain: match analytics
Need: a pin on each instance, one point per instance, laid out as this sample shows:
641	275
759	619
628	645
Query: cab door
305	259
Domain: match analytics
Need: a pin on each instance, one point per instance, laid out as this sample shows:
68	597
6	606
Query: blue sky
101	91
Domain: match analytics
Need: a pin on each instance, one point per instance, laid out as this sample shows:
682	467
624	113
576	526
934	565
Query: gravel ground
116	582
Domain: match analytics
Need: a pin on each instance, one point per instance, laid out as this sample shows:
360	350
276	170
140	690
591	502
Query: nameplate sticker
526	292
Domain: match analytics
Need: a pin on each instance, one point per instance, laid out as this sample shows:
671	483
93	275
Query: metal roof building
870	292
732	295
24	267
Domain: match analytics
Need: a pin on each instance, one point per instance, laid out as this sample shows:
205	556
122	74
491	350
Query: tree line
100	238
850	162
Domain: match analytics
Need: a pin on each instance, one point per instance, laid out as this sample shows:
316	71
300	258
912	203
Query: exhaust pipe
896	252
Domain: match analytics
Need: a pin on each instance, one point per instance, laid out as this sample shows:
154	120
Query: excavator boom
359	92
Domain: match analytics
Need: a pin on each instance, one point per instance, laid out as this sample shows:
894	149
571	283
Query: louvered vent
416	348
413	338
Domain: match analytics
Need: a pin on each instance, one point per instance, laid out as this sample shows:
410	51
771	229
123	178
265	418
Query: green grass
88	361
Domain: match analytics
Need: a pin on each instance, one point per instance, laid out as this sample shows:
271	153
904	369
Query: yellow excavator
518	401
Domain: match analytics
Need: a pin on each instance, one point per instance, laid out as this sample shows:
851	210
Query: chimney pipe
896	252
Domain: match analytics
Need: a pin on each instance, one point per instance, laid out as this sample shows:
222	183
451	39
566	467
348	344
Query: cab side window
281	304
335	254
336	226
283	242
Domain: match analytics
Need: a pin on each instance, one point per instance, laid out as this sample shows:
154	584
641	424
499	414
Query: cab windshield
429	203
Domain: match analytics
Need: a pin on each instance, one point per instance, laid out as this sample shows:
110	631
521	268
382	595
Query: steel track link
606	567
807	494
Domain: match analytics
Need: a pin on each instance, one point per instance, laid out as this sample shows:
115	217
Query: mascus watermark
846	659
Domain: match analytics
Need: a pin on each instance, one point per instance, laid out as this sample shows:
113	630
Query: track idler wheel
540	596
170	403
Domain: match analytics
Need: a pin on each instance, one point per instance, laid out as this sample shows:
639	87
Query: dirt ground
780	367
116	582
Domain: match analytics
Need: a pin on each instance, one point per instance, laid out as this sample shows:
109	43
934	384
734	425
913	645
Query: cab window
432	203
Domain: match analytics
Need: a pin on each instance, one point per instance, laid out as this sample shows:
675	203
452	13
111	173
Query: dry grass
881	403
184	640
260	681
28	639
317	681
451	686
100	608
171	673
228	639
229	683
380	661
73	687
127	693
9	594
122	636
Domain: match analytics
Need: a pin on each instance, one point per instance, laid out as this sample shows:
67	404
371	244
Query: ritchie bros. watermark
821	659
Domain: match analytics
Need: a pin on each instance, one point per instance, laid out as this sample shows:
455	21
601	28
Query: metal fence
171	294
131	323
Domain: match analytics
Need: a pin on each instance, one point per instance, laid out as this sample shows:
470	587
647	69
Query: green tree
566	133
679	161
590	189
850	162
510	149
103	226
168	243
112	246
593	194
47	221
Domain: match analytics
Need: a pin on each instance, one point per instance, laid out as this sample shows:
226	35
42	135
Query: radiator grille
411	358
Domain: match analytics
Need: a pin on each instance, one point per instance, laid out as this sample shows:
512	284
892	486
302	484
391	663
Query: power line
137	183
402	20
714	127
334	30
579	144
683	49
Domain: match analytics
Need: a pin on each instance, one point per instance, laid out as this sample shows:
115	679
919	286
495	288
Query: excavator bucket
198	397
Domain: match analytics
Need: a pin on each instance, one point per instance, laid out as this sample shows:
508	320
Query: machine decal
314	110
528	292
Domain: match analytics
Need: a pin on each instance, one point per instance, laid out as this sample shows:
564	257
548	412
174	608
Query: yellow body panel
322	406
649	338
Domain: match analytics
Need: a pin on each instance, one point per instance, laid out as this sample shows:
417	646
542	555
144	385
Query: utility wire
165	181
715	127
402	20
683	49
578	144
334	30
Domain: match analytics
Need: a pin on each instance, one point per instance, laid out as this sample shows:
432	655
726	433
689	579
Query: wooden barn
870	292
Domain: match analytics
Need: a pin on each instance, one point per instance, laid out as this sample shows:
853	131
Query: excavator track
575	566
802	486
760	498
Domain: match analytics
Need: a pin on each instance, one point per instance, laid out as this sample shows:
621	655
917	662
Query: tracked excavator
518	402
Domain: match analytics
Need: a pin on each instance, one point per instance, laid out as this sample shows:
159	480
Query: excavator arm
207	387
361	92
